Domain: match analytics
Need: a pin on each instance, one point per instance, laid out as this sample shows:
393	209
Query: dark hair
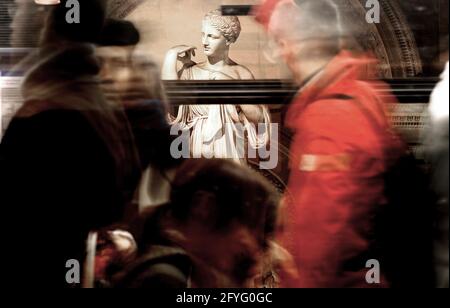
119	33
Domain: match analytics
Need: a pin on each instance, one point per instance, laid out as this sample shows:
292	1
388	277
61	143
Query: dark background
428	20
5	21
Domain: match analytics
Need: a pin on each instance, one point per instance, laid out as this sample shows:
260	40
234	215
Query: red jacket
336	185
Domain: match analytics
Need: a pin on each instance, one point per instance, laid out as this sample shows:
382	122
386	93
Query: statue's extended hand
184	53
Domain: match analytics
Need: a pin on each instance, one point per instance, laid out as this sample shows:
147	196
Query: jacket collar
337	77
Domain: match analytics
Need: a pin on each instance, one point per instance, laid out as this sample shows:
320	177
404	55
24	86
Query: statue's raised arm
180	53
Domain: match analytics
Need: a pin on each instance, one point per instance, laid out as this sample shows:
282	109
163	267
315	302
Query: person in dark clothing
437	146
67	161
133	82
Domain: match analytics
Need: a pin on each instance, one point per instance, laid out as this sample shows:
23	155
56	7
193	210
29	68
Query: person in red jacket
337	157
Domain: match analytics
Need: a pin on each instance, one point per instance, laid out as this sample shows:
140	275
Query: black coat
58	181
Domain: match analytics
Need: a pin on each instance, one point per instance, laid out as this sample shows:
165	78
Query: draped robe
215	133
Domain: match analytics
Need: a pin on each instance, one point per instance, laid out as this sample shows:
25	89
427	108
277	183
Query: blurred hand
284	266
124	243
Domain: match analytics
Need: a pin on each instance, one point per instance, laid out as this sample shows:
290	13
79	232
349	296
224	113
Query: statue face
214	43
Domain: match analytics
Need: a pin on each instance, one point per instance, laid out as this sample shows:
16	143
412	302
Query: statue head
219	32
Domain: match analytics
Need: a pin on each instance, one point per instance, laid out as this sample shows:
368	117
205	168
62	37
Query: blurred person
146	107
212	131
438	153
68	161
133	82
115	249
25	27
343	145
115	50
29	22
219	222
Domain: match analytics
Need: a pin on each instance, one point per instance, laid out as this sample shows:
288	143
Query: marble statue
216	129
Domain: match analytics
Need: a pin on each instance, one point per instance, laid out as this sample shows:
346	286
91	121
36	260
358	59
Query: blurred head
120	72
116	69
306	32
67	79
227	214
128	79
219	32
146	81
303	20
